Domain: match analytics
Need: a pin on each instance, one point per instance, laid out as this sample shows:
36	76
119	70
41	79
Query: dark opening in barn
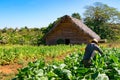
67	41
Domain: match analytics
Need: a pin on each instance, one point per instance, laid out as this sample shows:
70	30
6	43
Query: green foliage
105	67
116	29
98	18
29	36
76	15
17	53
60	41
105	31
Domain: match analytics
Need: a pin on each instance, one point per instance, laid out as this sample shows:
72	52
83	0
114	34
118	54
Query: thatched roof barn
69	30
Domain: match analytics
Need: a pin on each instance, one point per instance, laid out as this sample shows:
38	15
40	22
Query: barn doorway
67	41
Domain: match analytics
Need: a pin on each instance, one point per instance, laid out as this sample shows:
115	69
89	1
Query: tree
99	16
76	15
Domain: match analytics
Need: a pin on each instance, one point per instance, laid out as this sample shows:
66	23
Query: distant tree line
101	18
23	36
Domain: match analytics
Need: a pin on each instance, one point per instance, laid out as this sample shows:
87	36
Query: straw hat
95	40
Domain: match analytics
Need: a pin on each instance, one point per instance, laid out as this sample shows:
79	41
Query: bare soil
8	71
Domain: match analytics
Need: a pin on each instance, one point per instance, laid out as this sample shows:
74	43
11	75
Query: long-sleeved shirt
89	50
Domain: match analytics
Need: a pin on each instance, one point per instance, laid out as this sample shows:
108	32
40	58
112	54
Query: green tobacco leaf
114	58
95	75
102	77
82	70
117	70
51	74
43	78
68	73
40	72
62	66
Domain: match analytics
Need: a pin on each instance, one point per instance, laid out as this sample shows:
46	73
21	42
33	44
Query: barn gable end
70	31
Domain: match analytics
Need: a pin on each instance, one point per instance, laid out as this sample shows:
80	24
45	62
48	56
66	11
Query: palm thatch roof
79	24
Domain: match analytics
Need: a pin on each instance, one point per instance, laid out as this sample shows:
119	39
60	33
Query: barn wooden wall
67	30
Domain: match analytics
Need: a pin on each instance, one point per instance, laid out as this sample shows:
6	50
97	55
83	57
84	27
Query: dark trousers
87	63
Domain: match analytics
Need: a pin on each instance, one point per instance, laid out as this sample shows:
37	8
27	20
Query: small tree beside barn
69	30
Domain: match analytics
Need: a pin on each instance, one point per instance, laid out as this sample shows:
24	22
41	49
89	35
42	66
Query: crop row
17	53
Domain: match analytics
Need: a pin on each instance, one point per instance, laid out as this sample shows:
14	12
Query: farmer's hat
95	41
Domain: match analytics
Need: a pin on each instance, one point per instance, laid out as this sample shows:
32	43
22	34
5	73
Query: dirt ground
8	71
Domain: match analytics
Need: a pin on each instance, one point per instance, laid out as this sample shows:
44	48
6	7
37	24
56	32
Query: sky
40	13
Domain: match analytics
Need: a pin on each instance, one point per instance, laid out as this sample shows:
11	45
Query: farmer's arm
98	49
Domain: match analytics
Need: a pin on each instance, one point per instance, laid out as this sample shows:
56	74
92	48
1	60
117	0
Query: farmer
89	52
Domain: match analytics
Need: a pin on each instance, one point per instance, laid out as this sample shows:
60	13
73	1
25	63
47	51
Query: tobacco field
105	67
18	54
